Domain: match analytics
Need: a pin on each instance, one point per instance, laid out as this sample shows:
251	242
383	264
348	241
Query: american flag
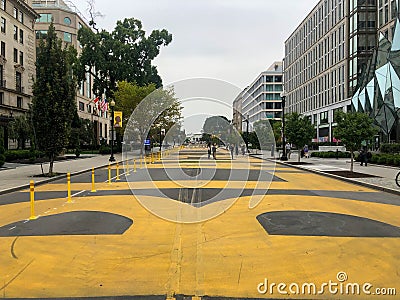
103	105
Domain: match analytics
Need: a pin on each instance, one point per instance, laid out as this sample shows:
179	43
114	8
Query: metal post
112	158
127	171
284	157
32	196
69	187
134	166
247	134
93	182
117	179
109	174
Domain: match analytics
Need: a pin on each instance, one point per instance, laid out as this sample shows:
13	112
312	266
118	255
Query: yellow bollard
117	179
152	158
127	171
93	183
109	174
134	166
69	187
159	156
32	193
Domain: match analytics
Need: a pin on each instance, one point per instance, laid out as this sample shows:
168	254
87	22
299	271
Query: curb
349	180
55	178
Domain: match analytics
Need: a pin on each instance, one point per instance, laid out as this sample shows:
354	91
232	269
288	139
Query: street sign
147	142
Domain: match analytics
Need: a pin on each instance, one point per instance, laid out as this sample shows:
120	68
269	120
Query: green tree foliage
218	126
19	129
128	96
298	131
264	134
160	109
123	54
54	90
352	129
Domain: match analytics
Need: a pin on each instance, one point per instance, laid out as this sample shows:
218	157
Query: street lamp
283	97
112	104
160	138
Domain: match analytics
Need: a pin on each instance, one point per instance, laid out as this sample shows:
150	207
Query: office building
67	21
261	100
324	59
17	61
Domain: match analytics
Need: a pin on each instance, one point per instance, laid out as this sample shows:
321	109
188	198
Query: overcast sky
229	40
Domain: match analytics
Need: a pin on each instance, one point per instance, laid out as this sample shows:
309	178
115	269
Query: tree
123	54
264	134
298	130
352	129
19	129
54	90
160	109
218	126
128	96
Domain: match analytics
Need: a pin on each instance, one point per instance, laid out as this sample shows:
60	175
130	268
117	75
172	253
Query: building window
1	98
21	36
89	108
15	33
21	58
21	17
81	89
323	117
19	102
3	25
44	18
105	131
3	49
81	106
41	34
18	82
67	21
15	55
3	4
2	84
101	130
15	13
67	37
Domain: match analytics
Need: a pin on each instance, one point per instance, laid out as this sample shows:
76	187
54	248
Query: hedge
390	148
330	154
386	159
13	155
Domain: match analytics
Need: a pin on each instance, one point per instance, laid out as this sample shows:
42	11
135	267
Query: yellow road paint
225	256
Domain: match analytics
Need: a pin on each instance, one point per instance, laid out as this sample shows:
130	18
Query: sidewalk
384	180
17	176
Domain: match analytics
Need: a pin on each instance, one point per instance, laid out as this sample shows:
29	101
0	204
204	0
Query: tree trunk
299	155
51	165
352	161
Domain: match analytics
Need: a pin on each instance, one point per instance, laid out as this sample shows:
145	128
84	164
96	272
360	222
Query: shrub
105	149
13	155
390	148
390	160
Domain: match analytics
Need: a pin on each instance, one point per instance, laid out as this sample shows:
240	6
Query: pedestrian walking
214	151
209	150
306	154
363	157
243	148
236	149
231	149
288	150
272	150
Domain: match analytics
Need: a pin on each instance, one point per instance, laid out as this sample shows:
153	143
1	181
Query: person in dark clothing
214	151
363	157
231	148
209	150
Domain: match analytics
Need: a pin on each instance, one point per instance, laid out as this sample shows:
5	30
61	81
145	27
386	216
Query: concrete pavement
382	177
17	176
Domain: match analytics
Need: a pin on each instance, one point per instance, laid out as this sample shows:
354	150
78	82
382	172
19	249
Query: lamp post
283	97
160	138
112	104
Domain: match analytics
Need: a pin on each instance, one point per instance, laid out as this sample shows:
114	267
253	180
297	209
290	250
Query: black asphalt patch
310	223
70	223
